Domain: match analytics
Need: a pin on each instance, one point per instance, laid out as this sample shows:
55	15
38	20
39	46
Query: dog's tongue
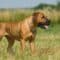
46	26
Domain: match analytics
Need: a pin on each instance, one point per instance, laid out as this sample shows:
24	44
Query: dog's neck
32	22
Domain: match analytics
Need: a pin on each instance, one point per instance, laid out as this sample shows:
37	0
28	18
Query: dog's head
41	20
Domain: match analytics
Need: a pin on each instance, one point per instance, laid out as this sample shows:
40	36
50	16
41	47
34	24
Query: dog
24	30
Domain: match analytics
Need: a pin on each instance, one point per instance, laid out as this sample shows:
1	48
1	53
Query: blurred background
47	41
16	10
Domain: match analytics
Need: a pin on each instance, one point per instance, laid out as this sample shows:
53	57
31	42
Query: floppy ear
35	16
35	13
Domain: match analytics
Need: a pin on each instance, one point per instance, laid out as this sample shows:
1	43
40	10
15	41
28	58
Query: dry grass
17	15
47	41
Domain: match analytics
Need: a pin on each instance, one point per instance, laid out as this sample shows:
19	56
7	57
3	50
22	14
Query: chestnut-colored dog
22	31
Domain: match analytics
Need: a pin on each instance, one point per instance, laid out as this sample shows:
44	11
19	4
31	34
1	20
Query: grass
20	14
47	44
47	41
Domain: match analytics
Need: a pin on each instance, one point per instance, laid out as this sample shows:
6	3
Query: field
47	41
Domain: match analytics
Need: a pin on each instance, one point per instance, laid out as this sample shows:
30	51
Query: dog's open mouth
43	26
46	27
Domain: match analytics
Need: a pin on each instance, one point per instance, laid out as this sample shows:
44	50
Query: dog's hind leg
10	43
1	34
1	38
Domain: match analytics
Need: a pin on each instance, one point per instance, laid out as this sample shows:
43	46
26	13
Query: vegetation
52	6
47	44
20	14
47	41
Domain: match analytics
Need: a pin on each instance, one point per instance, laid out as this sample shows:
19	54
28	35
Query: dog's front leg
22	45
32	45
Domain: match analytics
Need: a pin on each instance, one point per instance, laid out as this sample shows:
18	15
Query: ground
47	44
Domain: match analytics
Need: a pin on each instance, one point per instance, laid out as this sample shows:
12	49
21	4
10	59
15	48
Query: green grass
47	43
